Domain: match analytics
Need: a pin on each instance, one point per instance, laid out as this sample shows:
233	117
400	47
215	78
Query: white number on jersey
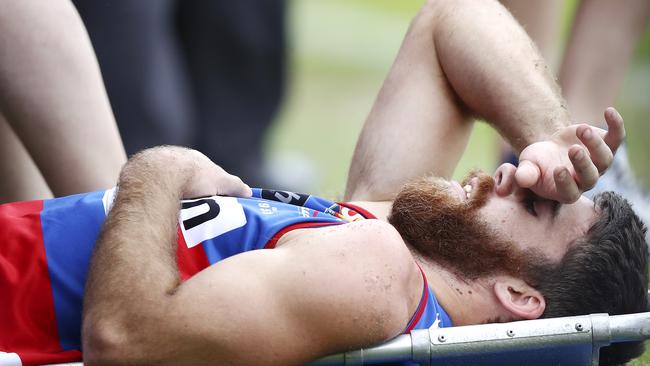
207	218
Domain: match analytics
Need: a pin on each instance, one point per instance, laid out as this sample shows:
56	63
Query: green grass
340	51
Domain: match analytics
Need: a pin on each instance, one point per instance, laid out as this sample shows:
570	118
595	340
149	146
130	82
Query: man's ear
519	299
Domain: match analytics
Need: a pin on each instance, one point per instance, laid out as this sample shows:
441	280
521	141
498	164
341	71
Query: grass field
340	51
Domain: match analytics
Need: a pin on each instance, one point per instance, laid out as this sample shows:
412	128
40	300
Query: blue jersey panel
433	315
70	228
245	224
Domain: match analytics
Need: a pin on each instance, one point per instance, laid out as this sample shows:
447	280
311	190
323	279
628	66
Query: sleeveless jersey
45	250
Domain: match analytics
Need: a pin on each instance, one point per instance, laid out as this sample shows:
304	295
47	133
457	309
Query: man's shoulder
368	268
374	245
378	236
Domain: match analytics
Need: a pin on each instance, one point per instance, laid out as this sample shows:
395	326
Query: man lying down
296	277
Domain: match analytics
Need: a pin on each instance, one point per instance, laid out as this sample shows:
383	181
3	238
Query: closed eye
529	204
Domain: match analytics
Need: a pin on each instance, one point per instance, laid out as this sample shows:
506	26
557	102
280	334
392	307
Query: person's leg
458	57
602	43
236	53
604	36
21	180
52	95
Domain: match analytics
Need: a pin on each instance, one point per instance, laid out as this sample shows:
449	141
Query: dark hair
604	272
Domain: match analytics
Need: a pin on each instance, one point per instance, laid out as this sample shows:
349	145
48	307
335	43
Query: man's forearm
497	71
133	267
130	315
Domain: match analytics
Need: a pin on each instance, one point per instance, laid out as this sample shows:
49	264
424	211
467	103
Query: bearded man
296	277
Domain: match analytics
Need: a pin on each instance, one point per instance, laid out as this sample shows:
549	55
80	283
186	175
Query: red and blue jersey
46	246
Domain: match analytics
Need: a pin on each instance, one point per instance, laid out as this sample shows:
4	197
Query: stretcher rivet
579	327
510	333
442	338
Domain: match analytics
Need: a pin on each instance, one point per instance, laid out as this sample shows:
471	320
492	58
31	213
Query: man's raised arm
464	58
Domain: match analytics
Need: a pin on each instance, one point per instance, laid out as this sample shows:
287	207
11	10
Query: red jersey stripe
24	274
423	304
365	213
301	225
190	260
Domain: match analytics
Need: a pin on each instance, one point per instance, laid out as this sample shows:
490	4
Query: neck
466	302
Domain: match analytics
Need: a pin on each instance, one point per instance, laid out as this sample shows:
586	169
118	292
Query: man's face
475	230
533	222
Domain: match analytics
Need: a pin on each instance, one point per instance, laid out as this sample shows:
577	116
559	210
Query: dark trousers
202	73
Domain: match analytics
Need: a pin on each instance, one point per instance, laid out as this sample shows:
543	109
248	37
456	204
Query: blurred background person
57	132
208	74
600	46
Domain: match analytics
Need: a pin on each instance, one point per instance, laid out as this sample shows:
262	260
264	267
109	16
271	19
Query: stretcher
572	341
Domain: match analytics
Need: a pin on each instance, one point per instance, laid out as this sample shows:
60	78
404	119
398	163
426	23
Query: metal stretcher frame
572	340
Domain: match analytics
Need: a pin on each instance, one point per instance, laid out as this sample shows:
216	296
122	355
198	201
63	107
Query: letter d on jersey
206	218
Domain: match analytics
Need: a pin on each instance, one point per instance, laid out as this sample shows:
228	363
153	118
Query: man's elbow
108	342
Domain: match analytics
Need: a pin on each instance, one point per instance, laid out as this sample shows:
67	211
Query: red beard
437	225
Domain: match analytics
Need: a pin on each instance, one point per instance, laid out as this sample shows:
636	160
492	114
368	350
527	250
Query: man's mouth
468	190
469	186
463	193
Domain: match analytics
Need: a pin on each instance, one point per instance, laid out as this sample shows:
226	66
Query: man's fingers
234	186
601	153
567	189
527	174
615	129
586	172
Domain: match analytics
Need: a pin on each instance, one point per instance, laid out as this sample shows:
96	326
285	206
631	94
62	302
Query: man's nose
504	179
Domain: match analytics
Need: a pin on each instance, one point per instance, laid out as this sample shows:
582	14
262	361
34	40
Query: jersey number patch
292	198
207	218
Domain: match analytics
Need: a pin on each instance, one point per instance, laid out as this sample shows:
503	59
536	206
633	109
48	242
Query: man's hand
198	175
571	162
208	179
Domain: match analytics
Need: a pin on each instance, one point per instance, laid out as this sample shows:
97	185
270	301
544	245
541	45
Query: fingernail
580	154
564	174
587	134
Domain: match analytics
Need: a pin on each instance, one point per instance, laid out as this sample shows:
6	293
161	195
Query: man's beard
438	226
